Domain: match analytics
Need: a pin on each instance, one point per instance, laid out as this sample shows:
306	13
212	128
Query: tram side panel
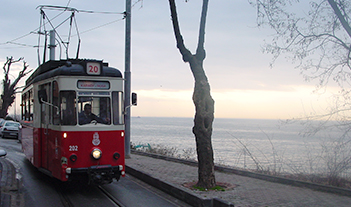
27	141
31	132
31	144
43	145
55	153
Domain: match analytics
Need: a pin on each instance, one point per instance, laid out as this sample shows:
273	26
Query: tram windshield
94	110
91	108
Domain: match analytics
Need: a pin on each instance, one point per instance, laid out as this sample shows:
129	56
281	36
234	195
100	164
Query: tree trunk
204	104
10	89
7	101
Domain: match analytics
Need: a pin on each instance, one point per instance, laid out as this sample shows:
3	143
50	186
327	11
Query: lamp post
127	76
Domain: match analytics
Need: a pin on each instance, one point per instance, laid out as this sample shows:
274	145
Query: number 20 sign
93	68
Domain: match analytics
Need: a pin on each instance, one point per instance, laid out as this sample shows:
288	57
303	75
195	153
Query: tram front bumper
100	174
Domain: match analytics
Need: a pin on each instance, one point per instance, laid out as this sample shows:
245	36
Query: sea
279	146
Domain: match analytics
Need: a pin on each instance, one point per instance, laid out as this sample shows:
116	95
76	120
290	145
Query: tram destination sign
83	84
91	93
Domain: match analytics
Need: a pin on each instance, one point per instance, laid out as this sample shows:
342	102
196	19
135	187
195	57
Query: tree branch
200	51
179	38
340	16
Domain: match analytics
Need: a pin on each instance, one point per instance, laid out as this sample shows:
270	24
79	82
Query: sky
243	84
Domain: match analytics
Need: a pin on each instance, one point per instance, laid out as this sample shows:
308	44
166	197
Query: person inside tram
86	117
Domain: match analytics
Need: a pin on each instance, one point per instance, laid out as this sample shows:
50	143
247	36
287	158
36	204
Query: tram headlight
73	157
96	153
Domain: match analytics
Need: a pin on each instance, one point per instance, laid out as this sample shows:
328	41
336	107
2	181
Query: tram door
44	124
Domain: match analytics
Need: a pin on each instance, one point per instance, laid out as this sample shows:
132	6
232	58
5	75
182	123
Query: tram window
94	110
31	106
68	107
23	106
27	106
117	105
44	94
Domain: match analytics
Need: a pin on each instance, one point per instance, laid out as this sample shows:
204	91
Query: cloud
288	102
242	83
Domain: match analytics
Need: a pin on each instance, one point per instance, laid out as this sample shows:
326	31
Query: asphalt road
37	189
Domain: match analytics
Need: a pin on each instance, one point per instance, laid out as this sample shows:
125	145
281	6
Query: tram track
112	199
65	200
68	200
42	190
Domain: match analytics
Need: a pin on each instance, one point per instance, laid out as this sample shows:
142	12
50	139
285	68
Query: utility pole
127	76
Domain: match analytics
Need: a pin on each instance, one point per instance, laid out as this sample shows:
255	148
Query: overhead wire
11	41
83	32
22	44
79	40
54	28
35	31
59	38
69	33
103	25
45	34
69	1
38	51
50	7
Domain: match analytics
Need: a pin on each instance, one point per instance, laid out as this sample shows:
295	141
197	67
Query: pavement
244	188
248	188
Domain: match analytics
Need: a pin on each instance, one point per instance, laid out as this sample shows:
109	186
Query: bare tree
204	104
10	88
318	40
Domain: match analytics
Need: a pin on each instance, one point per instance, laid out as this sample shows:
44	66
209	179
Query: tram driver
86	117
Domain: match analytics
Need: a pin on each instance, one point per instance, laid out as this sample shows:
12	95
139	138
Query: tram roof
70	67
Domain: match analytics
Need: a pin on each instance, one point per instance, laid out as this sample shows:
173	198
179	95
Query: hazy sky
243	85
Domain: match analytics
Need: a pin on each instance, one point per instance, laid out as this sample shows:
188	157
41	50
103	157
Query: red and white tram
73	120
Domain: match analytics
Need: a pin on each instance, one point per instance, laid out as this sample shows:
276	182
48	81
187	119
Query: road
37	189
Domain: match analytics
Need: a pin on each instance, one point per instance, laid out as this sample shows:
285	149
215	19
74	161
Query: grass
216	188
189	154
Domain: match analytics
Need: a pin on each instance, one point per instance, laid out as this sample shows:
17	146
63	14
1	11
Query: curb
270	178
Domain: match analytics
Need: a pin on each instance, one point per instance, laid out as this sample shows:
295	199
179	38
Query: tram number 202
73	148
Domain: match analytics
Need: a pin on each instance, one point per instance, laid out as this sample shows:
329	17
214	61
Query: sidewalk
170	177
